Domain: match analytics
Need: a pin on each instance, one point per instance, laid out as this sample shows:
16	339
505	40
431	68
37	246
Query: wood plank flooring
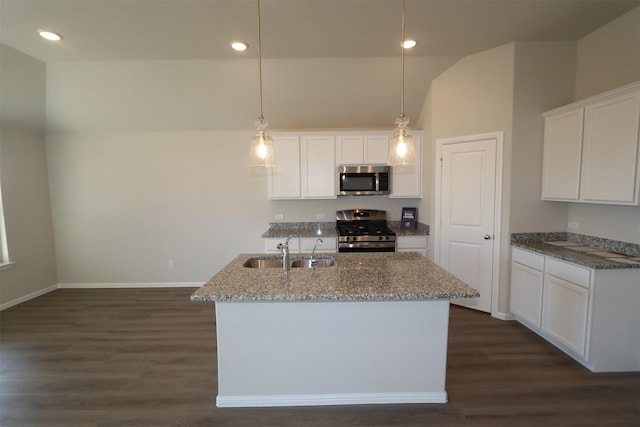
147	357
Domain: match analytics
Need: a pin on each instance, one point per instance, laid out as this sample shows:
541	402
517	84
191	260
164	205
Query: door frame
497	219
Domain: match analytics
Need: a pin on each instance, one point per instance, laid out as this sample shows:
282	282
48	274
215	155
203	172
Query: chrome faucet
284	247
314	251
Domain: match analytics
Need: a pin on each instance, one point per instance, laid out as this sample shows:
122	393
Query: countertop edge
579	258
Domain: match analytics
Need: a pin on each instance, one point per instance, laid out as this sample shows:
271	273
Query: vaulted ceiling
328	63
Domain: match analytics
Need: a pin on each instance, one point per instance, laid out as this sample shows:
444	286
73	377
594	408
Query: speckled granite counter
354	277
588	251
328	229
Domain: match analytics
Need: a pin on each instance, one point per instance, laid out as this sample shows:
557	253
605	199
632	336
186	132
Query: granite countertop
328	229
354	277
588	251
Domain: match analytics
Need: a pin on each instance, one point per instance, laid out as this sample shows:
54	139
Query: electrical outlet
320	216
279	216
170	263
572	225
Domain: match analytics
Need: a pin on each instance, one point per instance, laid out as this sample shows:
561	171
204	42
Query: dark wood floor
147	357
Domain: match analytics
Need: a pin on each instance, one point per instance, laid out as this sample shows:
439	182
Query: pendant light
402	150
261	154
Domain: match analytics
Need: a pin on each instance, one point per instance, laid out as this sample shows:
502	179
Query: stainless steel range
364	230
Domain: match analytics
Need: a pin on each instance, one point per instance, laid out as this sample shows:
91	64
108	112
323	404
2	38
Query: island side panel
328	353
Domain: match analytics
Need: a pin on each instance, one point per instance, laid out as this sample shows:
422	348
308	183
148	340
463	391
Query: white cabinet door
284	178
527	278
317	167
406	181
368	149
565	309
271	244
376	149
349	150
562	153
610	150
327	245
592	150
418	244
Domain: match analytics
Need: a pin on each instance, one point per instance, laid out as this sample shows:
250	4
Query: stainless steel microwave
364	180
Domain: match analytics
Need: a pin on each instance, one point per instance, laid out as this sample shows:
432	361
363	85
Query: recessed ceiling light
239	46
49	35
408	44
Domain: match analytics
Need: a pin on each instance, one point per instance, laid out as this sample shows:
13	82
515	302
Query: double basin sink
304	262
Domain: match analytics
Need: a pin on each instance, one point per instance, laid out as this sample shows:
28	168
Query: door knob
487	237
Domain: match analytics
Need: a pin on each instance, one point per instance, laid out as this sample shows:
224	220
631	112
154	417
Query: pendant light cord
402	66
260	117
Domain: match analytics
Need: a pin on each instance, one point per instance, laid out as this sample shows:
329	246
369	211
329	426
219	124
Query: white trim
28	297
129	285
329	399
497	222
503	316
6	265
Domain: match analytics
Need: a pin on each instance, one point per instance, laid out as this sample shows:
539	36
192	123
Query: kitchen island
372	328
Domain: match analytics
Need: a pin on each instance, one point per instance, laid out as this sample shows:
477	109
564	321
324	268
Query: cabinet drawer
412	242
528	258
271	244
329	244
569	272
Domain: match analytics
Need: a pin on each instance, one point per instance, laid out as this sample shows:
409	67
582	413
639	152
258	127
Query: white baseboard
329	399
51	288
27	297
129	285
503	316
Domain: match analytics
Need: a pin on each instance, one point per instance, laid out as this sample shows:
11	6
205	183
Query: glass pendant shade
261	154
402	149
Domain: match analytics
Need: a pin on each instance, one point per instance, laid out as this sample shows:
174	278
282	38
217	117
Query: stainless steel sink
314	263
259	262
272	262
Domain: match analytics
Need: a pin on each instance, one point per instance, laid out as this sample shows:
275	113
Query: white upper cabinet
317	167
376	149
592	149
284	178
406	181
562	153
306	163
362	149
610	150
304	167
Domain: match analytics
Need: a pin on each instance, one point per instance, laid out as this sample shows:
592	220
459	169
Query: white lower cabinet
527	278
418	244
565	305
271	244
328	245
302	245
593	315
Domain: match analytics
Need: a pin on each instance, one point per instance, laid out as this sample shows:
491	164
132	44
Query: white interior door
467	216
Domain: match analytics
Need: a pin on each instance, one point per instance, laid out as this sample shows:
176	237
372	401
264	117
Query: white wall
148	160
327	93
506	89
543	79
608	58
124	203
23	176
475	96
